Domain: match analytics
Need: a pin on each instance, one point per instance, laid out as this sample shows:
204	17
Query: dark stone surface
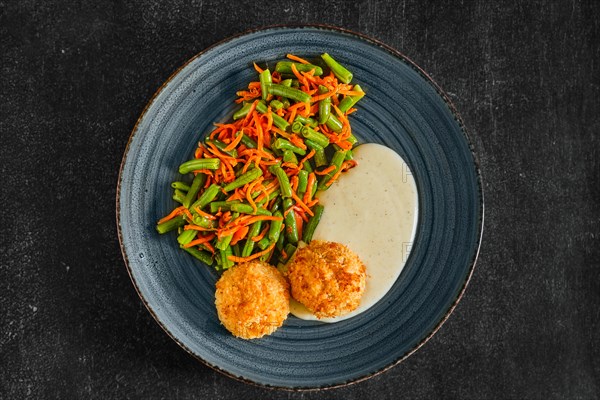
74	78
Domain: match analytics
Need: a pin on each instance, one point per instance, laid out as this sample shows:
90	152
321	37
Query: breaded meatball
328	278
252	299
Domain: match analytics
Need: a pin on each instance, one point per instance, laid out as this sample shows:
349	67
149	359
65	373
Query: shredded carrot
334	177
309	187
239	234
197	228
234	143
202	239
296	58
257	68
261	234
301	204
204	214
326	170
172	215
253	256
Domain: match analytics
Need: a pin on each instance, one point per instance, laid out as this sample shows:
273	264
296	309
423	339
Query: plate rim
457	117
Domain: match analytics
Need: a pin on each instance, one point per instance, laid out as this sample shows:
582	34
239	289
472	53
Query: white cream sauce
373	210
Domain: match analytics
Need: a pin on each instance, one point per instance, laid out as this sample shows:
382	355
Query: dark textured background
74	78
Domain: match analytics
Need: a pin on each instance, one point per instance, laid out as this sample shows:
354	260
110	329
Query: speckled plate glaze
404	110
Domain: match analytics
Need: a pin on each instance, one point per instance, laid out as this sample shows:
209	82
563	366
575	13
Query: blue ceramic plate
404	110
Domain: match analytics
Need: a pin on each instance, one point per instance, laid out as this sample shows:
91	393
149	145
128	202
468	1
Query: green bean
249	245
202	221
338	70
186	236
307	165
289	250
334	123
324	105
302	181
200	163
264	243
277	120
295	82
242	112
289	157
265	81
171	224
284	181
336	161
275	206
178	196
286	103
236	250
215	206
291	229
206	197
315	136
276	105
286	82
280	242
306	121
349	154
285	67
352	139
265	257
197	183
310	227
319	157
247	209
251	144
243	179
349	101
203	256
225	261
222	146
275	228
297	126
223	242
290	93
283	144
181	186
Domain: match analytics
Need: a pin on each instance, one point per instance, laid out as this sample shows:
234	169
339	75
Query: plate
404	110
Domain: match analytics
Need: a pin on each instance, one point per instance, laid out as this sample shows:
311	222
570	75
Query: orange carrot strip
323	96
299	223
204	214
301	203
334	177
257	68
262	218
310	154
261	234
234	143
239	234
309	187
197	228
253	256
296	141
296	58
326	170
203	239
172	215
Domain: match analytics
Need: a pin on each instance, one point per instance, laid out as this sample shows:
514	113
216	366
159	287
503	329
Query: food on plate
253	185
252	299
327	278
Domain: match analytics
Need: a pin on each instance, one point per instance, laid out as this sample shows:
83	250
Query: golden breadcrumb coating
252	299
328	278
